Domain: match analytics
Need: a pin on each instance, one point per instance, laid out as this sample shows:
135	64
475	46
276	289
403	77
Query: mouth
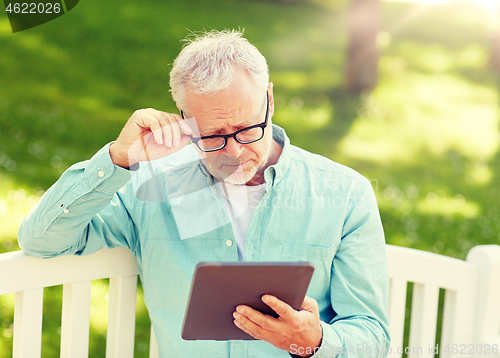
235	166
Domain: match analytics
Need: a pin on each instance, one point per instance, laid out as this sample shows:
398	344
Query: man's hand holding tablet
291	330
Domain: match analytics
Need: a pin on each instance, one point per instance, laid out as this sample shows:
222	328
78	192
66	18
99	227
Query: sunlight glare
423	2
490	5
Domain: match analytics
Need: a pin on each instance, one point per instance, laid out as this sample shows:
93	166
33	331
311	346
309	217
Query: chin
239	177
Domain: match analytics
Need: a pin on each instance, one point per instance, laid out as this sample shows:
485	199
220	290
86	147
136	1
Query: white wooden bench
471	314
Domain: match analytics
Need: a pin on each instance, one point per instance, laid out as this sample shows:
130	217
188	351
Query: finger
244	323
174	123
164	123
167	130
147	120
264	321
176	133
310	304
183	142
284	310
165	127
186	129
188	125
185	139
183	126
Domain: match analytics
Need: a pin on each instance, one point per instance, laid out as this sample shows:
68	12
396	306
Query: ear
271	99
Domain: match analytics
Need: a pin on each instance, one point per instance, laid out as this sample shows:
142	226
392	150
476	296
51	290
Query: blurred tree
494	60
329	4
362	53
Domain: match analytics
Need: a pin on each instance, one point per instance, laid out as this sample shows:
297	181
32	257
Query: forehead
239	103
224	111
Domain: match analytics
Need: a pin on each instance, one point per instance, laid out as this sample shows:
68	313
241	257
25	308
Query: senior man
241	191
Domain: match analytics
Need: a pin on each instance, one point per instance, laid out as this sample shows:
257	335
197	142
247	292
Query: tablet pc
218	287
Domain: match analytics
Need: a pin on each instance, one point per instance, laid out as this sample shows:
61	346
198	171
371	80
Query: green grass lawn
427	137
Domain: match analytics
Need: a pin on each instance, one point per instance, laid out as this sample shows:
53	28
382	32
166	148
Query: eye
217	132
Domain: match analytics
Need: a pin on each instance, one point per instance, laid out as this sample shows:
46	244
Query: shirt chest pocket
321	257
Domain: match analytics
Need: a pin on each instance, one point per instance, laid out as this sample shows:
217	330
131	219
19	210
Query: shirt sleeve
81	213
359	284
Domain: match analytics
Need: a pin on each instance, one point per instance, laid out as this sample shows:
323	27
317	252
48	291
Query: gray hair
206	64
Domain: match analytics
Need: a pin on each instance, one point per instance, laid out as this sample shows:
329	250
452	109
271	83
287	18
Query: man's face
236	107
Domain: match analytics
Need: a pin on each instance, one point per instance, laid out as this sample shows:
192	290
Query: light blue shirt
171	216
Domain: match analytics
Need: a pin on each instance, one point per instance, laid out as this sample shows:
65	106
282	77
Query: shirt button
66	211
100	173
229	243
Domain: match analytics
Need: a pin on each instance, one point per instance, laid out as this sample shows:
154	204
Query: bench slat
423	319
458	322
397	307
487	260
153	345
28	315
75	320
121	321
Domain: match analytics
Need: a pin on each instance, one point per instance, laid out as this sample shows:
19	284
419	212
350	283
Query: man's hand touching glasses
149	135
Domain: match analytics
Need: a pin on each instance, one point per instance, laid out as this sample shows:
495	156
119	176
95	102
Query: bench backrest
471	310
27	276
471	313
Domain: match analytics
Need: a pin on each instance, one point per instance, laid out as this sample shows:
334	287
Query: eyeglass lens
244	137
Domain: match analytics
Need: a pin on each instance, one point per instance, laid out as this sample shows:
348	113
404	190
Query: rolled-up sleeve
81	213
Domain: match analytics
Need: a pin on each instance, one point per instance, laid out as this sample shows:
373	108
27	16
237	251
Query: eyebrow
243	124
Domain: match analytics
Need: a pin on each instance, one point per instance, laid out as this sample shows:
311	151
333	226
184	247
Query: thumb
184	140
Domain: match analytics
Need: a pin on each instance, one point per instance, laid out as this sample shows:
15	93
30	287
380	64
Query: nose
233	148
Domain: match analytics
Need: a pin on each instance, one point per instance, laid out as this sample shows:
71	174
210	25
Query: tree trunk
362	54
494	19
494	61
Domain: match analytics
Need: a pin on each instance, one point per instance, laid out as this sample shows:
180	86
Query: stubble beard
240	177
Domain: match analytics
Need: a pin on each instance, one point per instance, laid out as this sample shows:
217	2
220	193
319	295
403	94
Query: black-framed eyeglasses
246	135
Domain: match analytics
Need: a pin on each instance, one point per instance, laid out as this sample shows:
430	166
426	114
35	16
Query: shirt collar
274	173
